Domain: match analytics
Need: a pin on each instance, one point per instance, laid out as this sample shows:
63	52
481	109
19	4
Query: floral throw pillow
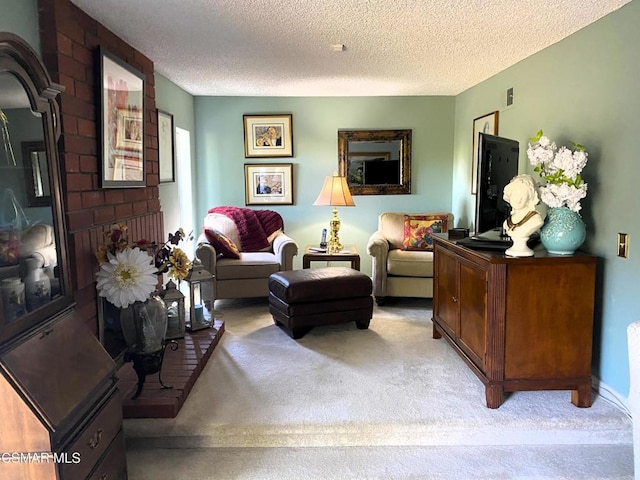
223	245
419	228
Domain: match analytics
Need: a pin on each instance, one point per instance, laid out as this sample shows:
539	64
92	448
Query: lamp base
334	245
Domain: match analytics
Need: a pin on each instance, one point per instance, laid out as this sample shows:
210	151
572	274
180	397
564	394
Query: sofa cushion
391	225
221	243
410	263
224	225
326	284
249	265
419	228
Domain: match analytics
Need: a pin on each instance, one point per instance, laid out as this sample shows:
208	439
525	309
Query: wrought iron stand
147	363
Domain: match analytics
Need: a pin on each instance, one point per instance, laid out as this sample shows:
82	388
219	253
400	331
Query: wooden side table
351	255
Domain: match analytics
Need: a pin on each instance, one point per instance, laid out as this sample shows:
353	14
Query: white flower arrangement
129	274
561	168
127	277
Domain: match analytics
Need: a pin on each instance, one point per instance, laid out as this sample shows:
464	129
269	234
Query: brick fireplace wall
69	39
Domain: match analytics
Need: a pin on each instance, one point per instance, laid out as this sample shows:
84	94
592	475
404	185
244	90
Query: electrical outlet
623	245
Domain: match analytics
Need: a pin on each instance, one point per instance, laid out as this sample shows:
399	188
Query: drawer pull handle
95	440
104	476
455	299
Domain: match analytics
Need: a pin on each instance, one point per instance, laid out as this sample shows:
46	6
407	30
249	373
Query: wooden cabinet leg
435	333
494	395
582	396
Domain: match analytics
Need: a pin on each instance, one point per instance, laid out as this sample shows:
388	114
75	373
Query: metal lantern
201	297
174	300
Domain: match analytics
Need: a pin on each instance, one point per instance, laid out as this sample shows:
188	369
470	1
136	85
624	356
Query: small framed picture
268	136
266	184
166	147
485	124
121	93
129	133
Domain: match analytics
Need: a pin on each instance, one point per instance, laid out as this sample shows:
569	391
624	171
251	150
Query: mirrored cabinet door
32	269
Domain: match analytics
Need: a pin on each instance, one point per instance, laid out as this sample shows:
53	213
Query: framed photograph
166	147
121	122
485	124
266	184
129	131
268	136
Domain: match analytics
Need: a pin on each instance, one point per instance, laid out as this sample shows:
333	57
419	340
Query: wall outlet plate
623	245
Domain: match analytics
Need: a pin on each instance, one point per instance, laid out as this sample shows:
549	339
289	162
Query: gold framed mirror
375	162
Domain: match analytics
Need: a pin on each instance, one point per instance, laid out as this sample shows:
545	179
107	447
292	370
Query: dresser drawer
113	465
94	439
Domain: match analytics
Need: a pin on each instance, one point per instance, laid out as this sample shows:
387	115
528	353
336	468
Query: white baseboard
611	395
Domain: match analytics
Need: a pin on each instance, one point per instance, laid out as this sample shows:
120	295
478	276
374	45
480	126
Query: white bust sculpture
524	220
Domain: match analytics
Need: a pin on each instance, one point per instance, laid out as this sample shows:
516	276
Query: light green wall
583	89
174	100
316	121
21	17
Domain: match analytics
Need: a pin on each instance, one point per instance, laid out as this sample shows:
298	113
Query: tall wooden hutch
60	412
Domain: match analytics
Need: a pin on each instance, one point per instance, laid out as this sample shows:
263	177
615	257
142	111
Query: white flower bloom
561	168
546	143
127	277
561	195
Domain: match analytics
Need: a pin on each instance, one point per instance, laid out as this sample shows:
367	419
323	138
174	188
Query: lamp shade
335	192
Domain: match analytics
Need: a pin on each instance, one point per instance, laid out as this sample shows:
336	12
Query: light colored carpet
388	402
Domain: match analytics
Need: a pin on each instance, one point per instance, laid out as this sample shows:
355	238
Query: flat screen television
380	172
497	165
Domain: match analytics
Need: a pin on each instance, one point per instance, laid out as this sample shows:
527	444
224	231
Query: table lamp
335	192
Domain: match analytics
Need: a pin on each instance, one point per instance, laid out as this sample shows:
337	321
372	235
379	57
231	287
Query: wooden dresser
61	415
519	323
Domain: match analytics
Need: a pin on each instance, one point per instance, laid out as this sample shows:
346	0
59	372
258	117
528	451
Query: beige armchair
39	241
398	271
248	275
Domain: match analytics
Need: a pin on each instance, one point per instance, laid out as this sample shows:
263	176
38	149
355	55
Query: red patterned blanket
254	226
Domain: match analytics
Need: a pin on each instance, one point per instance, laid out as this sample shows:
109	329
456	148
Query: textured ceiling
392	47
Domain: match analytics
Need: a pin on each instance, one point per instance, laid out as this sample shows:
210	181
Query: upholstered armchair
38	241
243	251
402	256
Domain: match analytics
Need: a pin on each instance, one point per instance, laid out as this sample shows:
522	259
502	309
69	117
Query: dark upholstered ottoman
302	299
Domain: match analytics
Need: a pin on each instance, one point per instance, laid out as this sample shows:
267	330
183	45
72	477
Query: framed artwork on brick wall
121	91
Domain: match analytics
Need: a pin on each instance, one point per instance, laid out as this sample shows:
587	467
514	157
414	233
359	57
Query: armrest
378	248
207	255
285	248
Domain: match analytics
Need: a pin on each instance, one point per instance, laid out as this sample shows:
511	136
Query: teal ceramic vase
563	231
